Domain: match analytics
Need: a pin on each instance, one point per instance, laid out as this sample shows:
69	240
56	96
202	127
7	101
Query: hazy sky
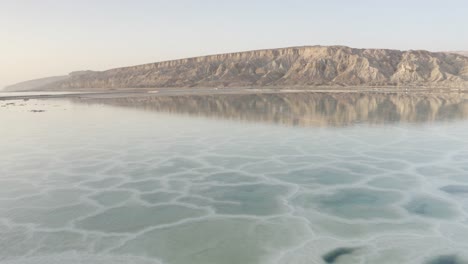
40	38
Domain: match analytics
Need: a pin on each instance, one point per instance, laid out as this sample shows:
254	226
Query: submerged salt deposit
93	183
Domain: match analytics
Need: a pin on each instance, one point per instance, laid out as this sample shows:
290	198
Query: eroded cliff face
305	109
299	66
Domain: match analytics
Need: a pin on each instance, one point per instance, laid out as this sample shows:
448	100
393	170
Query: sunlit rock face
307	109
298	66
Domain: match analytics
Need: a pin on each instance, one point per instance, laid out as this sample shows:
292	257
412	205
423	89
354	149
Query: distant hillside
464	53
34	84
42	83
297	66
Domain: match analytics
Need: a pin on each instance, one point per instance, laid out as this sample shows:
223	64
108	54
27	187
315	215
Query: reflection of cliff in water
307	109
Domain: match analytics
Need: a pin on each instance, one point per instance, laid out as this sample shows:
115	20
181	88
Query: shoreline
148	92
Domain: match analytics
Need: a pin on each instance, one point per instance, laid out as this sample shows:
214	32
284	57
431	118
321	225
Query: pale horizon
53	38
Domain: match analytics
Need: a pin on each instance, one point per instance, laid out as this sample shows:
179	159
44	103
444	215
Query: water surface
35	93
269	178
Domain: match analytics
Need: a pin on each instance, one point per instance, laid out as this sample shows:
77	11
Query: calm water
39	93
293	178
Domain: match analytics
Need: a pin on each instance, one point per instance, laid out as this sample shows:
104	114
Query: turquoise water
292	178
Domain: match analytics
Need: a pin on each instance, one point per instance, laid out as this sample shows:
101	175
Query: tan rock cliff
296	66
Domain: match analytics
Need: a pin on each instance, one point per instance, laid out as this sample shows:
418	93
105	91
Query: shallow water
38	93
291	178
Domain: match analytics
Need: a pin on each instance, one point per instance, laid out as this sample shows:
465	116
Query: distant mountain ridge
295	66
34	84
42	82
464	53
